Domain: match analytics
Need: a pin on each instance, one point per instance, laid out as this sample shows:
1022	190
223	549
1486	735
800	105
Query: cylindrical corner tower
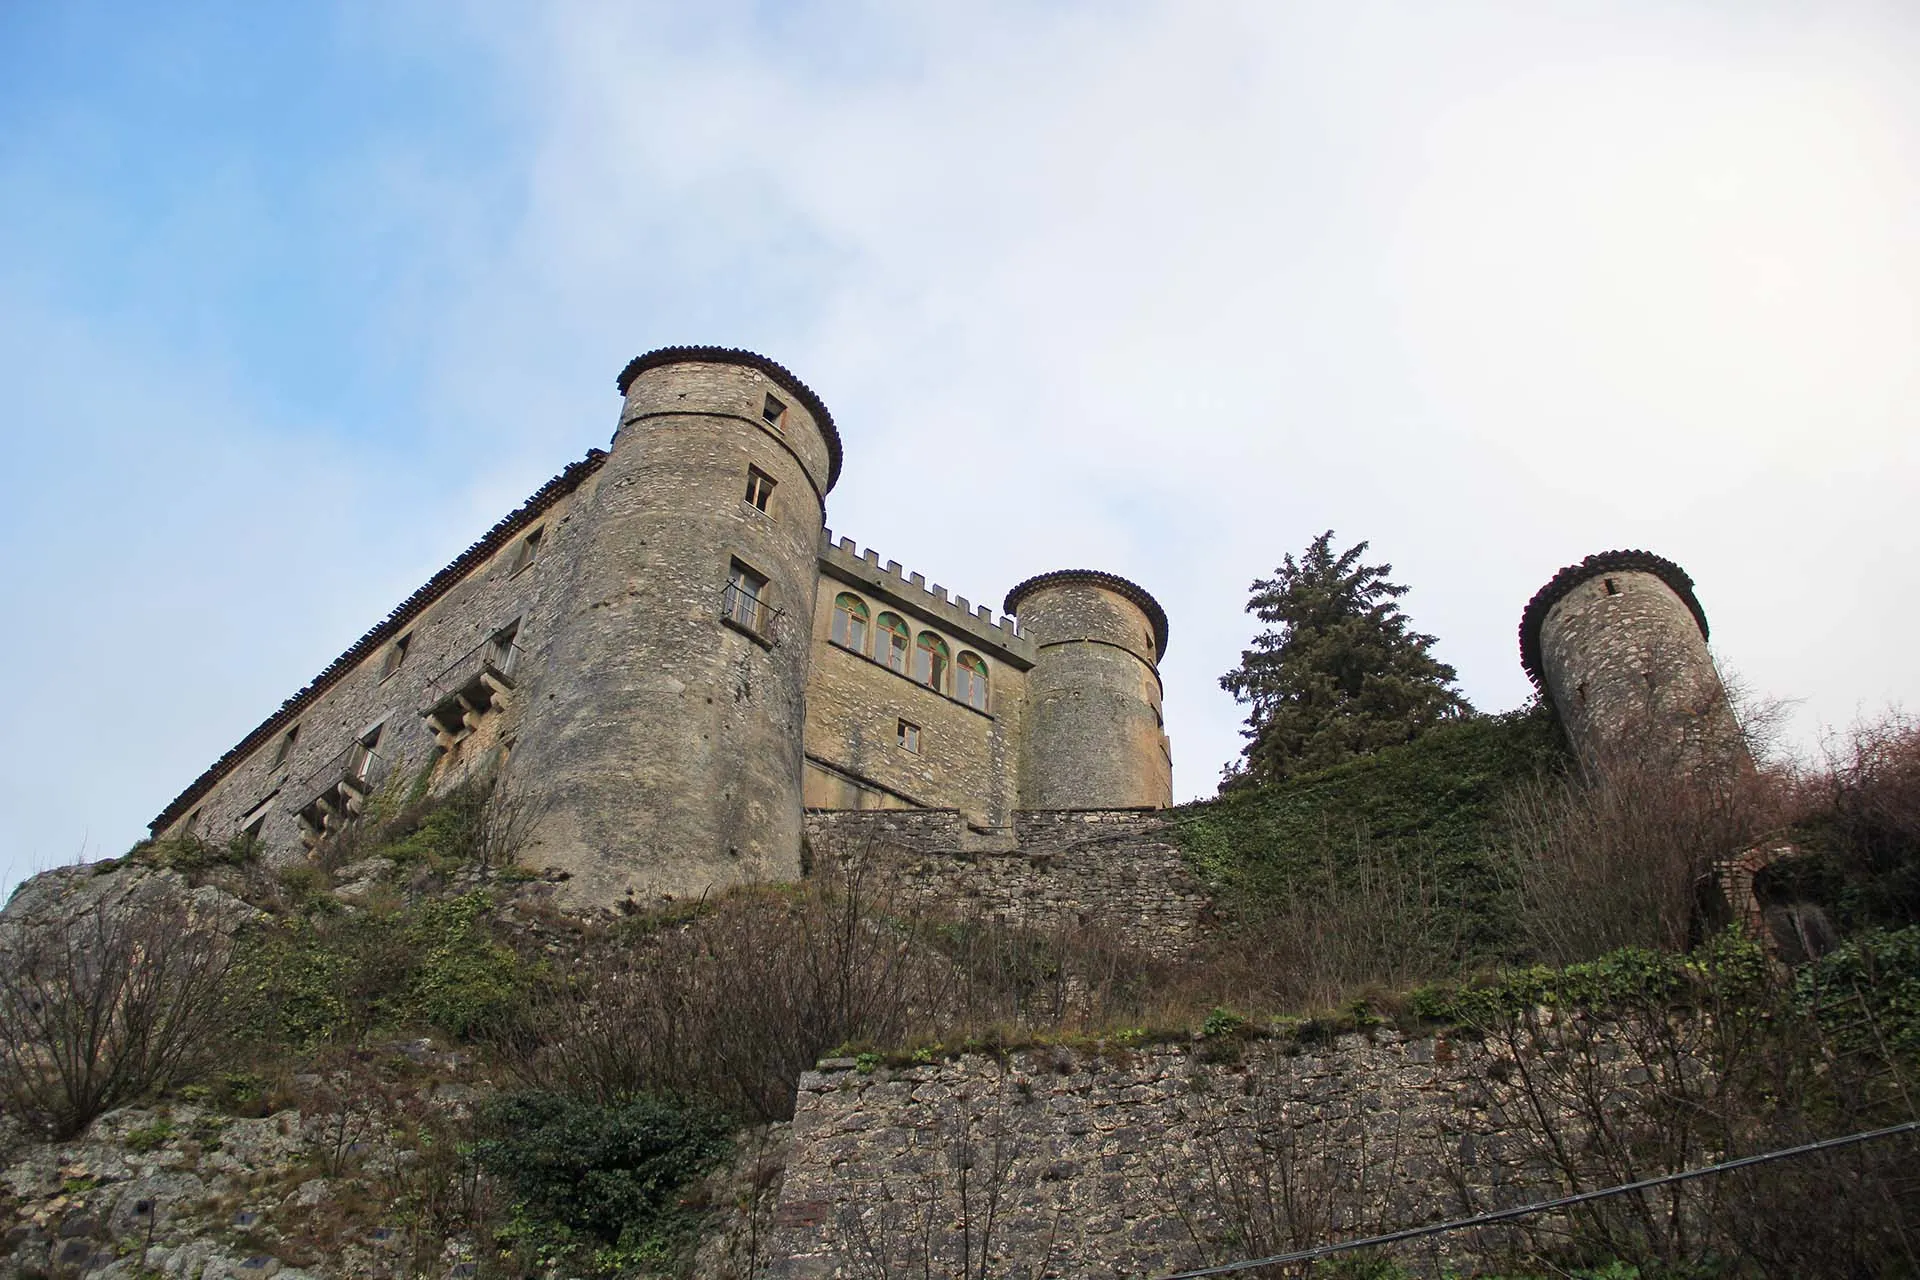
1095	738
666	723
1618	642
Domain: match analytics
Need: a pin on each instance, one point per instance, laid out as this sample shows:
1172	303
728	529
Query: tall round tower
1095	738
1619	643
666	724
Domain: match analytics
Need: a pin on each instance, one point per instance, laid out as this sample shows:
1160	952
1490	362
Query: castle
667	646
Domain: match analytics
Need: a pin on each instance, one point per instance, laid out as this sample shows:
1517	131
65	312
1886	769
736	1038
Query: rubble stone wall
1114	868
1062	1162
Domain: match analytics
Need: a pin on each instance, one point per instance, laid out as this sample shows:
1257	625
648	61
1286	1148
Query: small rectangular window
774	412
745	600
395	656
361	756
285	748
759	488
910	736
502	649
524	554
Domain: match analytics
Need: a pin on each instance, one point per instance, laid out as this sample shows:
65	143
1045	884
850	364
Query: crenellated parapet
887	581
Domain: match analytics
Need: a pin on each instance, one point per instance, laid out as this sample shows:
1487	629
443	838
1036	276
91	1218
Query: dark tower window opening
849	629
1612	590
285	747
396	655
524	554
775	413
910	736
892	643
759	488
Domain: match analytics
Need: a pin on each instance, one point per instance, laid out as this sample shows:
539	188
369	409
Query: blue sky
296	300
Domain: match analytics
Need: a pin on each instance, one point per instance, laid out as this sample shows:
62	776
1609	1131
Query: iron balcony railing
494	657
748	610
469	684
359	766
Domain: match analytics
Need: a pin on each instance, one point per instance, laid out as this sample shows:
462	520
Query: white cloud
1169	289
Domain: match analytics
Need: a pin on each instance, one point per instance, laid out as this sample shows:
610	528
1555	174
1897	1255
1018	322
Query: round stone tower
1094	738
666	727
1619	643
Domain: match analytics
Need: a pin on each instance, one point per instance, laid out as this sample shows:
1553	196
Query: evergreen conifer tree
1338	674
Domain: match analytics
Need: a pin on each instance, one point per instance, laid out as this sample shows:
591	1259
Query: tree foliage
1338	673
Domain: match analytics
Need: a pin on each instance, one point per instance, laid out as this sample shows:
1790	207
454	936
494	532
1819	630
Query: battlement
844	561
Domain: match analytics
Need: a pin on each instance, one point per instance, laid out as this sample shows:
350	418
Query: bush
586	1173
734	1002
1386	871
311	981
462	981
108	1006
1622	859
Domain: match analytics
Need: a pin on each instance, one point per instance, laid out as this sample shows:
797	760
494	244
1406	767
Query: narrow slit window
892	643
1612	590
910	736
527	551
285	747
775	412
759	488
850	622
970	681
395	656
930	661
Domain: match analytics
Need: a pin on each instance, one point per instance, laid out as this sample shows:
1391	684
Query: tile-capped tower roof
1573	575
1113	582
822	417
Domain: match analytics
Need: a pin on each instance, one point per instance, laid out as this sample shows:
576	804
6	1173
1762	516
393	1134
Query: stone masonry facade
1067	1162
667	651
1115	870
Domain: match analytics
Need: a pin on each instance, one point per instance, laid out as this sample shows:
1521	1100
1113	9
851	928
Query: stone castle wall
962	756
1114	870
1618	642
1096	737
446	630
664	734
1140	1163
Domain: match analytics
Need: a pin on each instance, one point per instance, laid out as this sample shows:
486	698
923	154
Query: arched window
891	636
930	661
970	681
850	622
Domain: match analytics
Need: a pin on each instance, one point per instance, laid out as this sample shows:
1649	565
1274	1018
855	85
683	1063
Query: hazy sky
296	300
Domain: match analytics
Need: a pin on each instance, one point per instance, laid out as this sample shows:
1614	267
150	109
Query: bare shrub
736	1003
1659	1080
108	1005
1618	859
733	1002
